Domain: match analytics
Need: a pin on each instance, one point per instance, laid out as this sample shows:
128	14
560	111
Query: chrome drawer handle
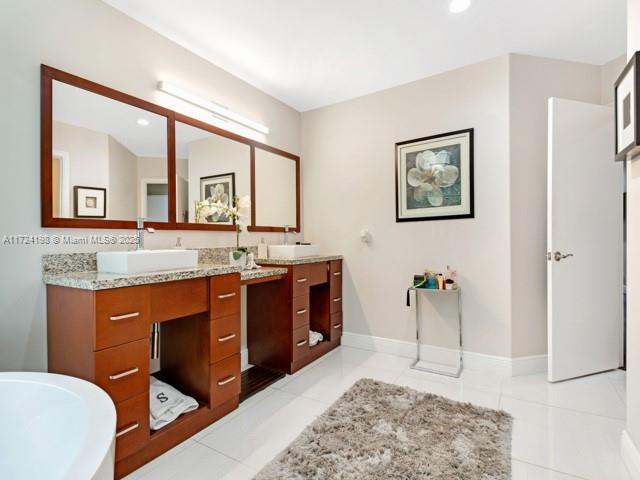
301	343
124	374
226	380
227	295
337	274
125	316
302	312
301	280
337	325
337	299
227	338
126	430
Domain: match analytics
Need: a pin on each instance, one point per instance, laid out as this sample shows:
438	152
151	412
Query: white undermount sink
141	261
291	252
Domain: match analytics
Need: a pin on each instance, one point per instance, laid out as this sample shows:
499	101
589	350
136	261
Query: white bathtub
55	427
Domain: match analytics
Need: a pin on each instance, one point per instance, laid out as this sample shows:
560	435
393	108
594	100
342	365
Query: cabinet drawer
335	268
225	380
335	287
300	312
122	315
300	343
123	371
132	425
225	295
300	280
336	302
179	299
317	273
336	326
225	337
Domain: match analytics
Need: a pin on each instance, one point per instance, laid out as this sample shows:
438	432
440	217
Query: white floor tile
452	389
196	462
579	444
594	394
255	399
263	430
526	471
330	379
563	431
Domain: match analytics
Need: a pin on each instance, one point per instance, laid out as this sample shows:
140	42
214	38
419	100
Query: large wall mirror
108	158
209	167
276	189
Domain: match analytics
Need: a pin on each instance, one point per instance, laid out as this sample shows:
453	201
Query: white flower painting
434	177
218	190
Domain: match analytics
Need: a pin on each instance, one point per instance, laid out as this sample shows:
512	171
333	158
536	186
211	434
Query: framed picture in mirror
218	189
89	202
627	105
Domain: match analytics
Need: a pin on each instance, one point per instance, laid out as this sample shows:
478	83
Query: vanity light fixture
459	6
210	106
143	122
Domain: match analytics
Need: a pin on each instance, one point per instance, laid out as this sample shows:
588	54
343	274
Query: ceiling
311	53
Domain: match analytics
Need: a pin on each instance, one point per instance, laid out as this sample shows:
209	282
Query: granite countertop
298	261
92	280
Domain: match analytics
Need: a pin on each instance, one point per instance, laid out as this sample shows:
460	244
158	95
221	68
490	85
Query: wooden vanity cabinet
103	336
280	315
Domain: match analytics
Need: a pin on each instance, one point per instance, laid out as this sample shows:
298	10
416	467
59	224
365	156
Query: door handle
557	256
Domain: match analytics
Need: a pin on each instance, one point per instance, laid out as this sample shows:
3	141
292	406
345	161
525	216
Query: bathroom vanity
280	316
98	329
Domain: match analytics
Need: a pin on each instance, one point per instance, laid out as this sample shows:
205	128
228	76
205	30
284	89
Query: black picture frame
232	190
633	148
471	193
76	197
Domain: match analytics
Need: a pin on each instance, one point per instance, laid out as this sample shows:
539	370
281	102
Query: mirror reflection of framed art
626	115
89	202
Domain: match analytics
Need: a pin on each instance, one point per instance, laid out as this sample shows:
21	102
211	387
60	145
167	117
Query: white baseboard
244	359
502	366
630	455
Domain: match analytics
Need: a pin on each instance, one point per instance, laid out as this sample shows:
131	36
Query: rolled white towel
166	404
315	338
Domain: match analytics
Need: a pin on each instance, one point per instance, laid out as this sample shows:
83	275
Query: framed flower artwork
434	177
218	189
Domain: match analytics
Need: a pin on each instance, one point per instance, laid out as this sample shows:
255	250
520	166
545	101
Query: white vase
239	262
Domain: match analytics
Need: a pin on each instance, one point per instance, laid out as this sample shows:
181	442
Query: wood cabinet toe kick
103	336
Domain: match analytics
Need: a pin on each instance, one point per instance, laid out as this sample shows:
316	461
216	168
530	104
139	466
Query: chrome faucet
140	230
286	233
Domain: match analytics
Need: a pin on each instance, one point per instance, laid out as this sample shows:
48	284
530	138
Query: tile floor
563	431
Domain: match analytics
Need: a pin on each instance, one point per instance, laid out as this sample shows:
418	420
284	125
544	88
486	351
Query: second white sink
141	261
291	252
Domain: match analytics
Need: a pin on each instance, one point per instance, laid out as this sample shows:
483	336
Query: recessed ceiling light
457	6
143	122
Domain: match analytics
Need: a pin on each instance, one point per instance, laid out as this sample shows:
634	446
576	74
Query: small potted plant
239	214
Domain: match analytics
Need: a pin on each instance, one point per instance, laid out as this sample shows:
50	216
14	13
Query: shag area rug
381	431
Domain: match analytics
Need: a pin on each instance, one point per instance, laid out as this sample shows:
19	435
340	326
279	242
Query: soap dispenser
262	249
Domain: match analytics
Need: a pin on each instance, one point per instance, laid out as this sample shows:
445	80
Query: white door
584	241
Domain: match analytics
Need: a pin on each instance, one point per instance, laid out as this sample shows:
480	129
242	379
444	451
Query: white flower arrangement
216	208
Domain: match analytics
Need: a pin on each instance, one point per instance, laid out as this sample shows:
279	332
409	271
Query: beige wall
532	81
348	182
348	152
123	186
88	152
92	40
633	257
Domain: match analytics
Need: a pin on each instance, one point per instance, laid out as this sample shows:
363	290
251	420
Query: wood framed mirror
108	158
